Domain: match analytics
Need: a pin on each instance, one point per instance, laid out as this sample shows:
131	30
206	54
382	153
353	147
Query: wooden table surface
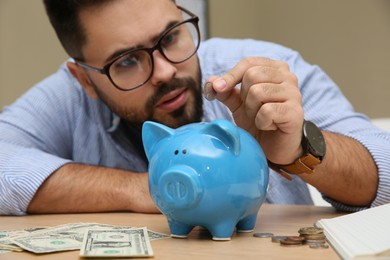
277	219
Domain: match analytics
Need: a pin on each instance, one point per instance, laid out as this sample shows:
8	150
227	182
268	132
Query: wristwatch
314	149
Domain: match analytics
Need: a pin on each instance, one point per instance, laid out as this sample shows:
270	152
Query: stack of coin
313	236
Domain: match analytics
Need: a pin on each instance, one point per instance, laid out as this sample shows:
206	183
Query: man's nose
163	70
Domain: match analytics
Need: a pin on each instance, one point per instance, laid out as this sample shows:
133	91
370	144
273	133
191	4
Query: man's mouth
173	100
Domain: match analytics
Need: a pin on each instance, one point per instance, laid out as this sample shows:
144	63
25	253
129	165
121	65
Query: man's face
173	95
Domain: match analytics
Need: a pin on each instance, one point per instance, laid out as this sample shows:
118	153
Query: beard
190	112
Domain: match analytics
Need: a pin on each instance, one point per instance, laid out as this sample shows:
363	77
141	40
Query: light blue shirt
56	123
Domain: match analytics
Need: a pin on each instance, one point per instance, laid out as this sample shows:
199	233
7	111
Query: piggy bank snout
179	187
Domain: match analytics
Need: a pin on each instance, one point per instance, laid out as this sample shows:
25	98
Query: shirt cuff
379	147
22	175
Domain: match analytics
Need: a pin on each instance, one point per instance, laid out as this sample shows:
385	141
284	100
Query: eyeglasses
134	68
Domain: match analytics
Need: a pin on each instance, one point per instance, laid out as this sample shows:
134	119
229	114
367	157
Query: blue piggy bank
213	175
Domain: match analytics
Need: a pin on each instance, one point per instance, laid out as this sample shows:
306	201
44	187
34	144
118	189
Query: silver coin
263	234
296	238
319	246
276	239
319	241
208	91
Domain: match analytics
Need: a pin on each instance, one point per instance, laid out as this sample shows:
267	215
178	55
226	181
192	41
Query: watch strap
304	164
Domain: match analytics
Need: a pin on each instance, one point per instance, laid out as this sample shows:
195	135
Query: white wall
349	39
198	7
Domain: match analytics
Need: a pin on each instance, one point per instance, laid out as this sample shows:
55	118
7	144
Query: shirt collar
114	124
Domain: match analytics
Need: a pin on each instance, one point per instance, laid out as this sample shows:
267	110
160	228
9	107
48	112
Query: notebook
360	235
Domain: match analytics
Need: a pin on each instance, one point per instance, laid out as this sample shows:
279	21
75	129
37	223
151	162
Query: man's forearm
82	188
348	173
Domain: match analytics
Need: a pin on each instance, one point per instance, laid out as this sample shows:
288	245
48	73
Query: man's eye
127	61
170	38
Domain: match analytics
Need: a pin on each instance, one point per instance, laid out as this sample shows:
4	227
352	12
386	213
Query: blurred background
349	39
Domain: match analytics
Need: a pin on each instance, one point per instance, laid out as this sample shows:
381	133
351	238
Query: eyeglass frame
194	19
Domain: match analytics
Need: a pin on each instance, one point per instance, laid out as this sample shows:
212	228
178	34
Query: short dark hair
65	19
64	16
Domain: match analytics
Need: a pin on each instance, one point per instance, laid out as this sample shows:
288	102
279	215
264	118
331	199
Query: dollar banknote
133	242
59	238
6	236
3	251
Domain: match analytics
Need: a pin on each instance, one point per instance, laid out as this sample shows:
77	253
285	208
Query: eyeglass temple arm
81	64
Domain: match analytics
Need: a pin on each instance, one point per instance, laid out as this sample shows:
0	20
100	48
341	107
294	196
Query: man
73	142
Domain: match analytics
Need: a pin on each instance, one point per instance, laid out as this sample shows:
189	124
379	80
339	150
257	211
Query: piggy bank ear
152	133
225	131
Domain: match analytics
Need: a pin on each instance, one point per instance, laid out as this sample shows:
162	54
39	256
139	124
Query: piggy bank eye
184	151
176	152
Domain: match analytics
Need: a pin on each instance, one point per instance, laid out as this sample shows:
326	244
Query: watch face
315	139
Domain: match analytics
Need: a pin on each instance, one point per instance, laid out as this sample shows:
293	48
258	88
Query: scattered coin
319	246
287	242
276	239
208	91
296	238
312	241
262	235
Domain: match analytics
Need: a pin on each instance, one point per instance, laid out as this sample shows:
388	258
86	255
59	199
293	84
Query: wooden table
278	219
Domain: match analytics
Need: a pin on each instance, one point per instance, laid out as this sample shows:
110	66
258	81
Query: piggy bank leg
247	224
179	230
222	231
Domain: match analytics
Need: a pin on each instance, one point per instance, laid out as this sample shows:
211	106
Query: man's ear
82	78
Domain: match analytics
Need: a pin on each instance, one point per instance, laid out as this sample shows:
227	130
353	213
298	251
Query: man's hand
268	105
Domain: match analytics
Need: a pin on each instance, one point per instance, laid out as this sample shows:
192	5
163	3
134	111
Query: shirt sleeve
36	140
325	104
23	170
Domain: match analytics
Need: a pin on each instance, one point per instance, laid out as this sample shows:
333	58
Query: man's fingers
248	72
279	114
264	93
231	98
235	76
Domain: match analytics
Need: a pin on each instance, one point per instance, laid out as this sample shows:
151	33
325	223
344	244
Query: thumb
217	87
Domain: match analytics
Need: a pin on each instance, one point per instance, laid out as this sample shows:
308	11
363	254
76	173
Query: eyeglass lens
135	68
